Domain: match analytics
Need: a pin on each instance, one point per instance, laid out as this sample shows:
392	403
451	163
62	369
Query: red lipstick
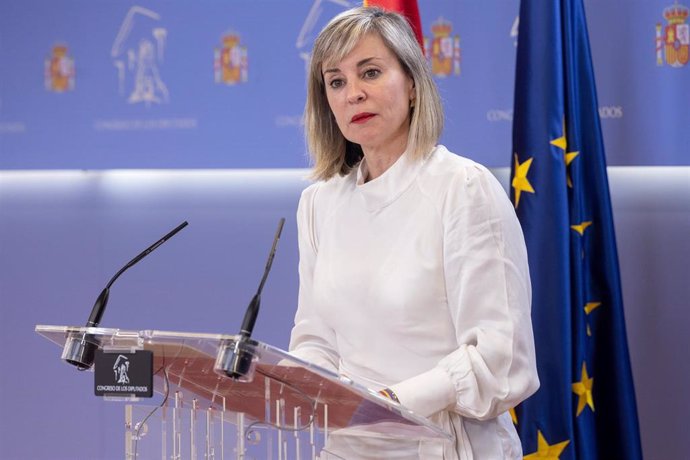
362	117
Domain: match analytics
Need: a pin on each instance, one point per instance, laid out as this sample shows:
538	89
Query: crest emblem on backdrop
673	39
230	64
59	70
138	54
443	49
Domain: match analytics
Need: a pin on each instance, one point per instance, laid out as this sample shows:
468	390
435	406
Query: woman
413	269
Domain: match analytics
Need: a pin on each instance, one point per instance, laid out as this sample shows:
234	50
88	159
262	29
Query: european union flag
585	408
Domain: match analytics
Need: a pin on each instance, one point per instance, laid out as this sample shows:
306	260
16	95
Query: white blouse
418	281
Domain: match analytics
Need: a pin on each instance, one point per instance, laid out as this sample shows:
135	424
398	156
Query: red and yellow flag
407	8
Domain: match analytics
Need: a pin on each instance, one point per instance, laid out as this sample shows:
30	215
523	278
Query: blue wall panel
113	84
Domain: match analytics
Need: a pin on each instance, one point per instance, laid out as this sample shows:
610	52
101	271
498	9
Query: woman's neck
378	162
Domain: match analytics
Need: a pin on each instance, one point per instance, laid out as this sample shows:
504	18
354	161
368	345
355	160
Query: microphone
253	308
102	300
80	351
235	358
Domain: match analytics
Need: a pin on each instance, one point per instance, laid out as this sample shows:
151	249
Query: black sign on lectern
123	374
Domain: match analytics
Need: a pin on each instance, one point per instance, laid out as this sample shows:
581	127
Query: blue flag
585	408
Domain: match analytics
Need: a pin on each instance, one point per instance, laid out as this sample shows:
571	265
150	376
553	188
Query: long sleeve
489	297
311	339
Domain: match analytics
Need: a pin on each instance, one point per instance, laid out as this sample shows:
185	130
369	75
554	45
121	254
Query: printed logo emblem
320	13
230	61
443	49
514	29
674	43
137	54
59	70
120	368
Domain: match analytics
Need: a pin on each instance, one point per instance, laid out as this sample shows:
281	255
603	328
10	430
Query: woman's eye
372	73
335	83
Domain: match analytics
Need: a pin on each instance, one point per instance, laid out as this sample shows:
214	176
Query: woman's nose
355	93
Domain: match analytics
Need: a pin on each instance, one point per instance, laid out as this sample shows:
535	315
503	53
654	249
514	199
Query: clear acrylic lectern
290	409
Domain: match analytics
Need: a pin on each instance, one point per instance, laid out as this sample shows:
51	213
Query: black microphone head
250	316
98	309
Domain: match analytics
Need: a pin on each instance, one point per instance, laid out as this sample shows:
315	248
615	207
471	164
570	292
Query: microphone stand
236	358
80	349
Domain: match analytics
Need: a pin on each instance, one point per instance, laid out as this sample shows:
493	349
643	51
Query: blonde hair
331	152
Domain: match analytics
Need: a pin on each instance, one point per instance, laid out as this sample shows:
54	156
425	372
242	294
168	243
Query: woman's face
369	94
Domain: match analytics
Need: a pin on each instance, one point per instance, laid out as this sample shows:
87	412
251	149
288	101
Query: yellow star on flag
520	182
569	157
590	306
580	228
562	143
583	389
545	451
513	415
